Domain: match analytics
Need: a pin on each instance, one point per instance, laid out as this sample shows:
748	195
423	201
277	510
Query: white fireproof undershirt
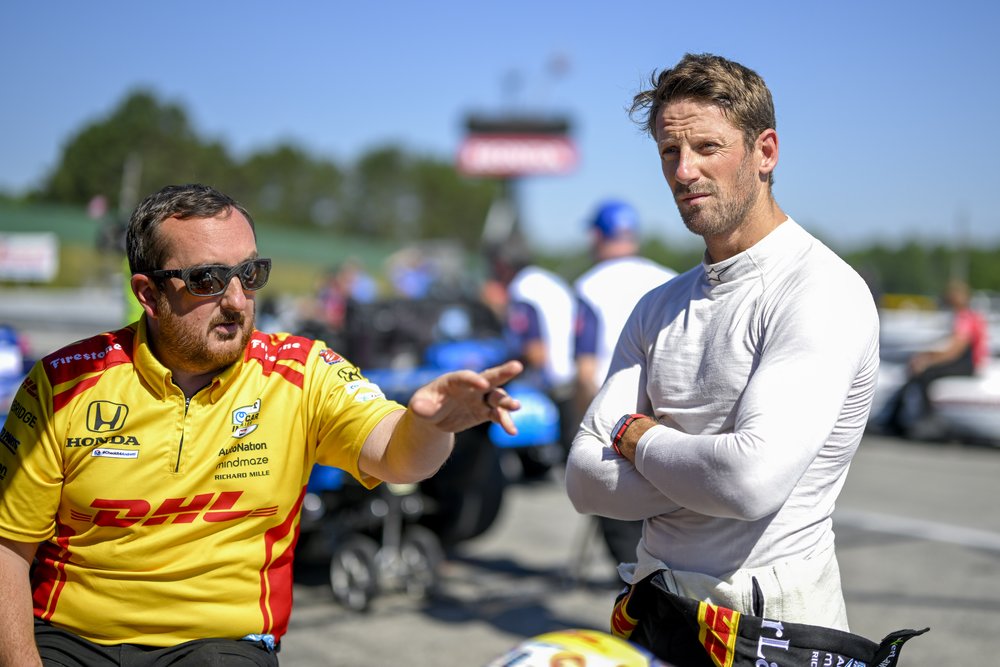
760	371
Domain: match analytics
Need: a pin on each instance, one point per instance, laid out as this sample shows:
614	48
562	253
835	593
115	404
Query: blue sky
887	111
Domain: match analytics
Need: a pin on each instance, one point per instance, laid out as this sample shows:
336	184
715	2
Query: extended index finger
502	374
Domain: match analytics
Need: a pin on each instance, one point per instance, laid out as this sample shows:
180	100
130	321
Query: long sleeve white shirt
760	371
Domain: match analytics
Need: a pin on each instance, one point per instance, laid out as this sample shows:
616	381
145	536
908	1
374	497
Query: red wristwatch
619	430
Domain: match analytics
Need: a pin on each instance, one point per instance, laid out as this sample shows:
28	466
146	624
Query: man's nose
686	171
234	296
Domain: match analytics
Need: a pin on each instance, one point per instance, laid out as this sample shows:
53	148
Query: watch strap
619	430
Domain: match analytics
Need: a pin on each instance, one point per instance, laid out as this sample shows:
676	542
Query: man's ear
767	145
146	292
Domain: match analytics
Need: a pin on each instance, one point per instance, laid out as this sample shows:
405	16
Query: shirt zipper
180	445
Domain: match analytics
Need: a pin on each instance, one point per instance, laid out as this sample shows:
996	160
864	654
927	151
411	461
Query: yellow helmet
577	648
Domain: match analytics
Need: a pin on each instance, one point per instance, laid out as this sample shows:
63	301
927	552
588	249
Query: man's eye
203	278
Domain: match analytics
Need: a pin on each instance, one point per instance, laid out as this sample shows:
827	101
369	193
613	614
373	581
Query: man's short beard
732	213
192	349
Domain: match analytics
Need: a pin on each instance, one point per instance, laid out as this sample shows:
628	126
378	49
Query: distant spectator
411	273
608	291
344	283
963	353
539	318
14	353
539	321
605	297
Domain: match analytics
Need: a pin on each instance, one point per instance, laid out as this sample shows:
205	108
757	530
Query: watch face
619	430
616	431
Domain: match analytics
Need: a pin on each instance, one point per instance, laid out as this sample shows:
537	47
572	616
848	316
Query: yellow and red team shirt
162	520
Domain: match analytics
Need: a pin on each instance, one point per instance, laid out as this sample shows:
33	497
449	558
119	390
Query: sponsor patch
105	452
9	441
364	391
350	374
30	388
210	507
91	354
126	440
330	357
718	632
245	419
105	416
20	413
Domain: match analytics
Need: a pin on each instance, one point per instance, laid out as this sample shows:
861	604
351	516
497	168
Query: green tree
452	206
142	145
916	268
400	197
284	184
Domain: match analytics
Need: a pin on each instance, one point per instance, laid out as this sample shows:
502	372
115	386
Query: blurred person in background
739	390
151	478
605	296
538	324
608	291
962	353
343	284
15	360
412	274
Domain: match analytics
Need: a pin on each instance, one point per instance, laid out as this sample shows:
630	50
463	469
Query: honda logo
105	416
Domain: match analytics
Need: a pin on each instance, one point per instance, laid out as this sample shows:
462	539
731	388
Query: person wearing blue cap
605	296
608	291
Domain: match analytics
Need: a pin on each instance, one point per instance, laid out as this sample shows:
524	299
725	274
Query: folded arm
598	480
799	394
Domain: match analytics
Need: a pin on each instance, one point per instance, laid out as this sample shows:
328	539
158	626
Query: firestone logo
56	362
258	345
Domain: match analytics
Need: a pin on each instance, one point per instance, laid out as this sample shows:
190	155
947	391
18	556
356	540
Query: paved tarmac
918	537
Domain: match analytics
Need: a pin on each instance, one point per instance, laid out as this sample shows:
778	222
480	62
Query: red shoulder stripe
284	355
88	357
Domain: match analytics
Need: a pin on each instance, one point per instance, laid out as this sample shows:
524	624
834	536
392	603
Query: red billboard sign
506	155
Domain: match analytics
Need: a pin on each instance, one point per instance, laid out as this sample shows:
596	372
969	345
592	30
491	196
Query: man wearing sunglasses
151	478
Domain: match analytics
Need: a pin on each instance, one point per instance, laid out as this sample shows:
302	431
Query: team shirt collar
159	377
772	249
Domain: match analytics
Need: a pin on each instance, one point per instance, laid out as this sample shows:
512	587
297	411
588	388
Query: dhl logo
623	625
718	633
210	507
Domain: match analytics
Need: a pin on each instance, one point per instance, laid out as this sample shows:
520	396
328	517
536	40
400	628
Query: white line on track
918	528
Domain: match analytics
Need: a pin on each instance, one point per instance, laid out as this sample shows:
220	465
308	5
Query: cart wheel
354	573
468	489
421	553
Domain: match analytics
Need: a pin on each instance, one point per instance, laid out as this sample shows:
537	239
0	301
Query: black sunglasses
212	279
